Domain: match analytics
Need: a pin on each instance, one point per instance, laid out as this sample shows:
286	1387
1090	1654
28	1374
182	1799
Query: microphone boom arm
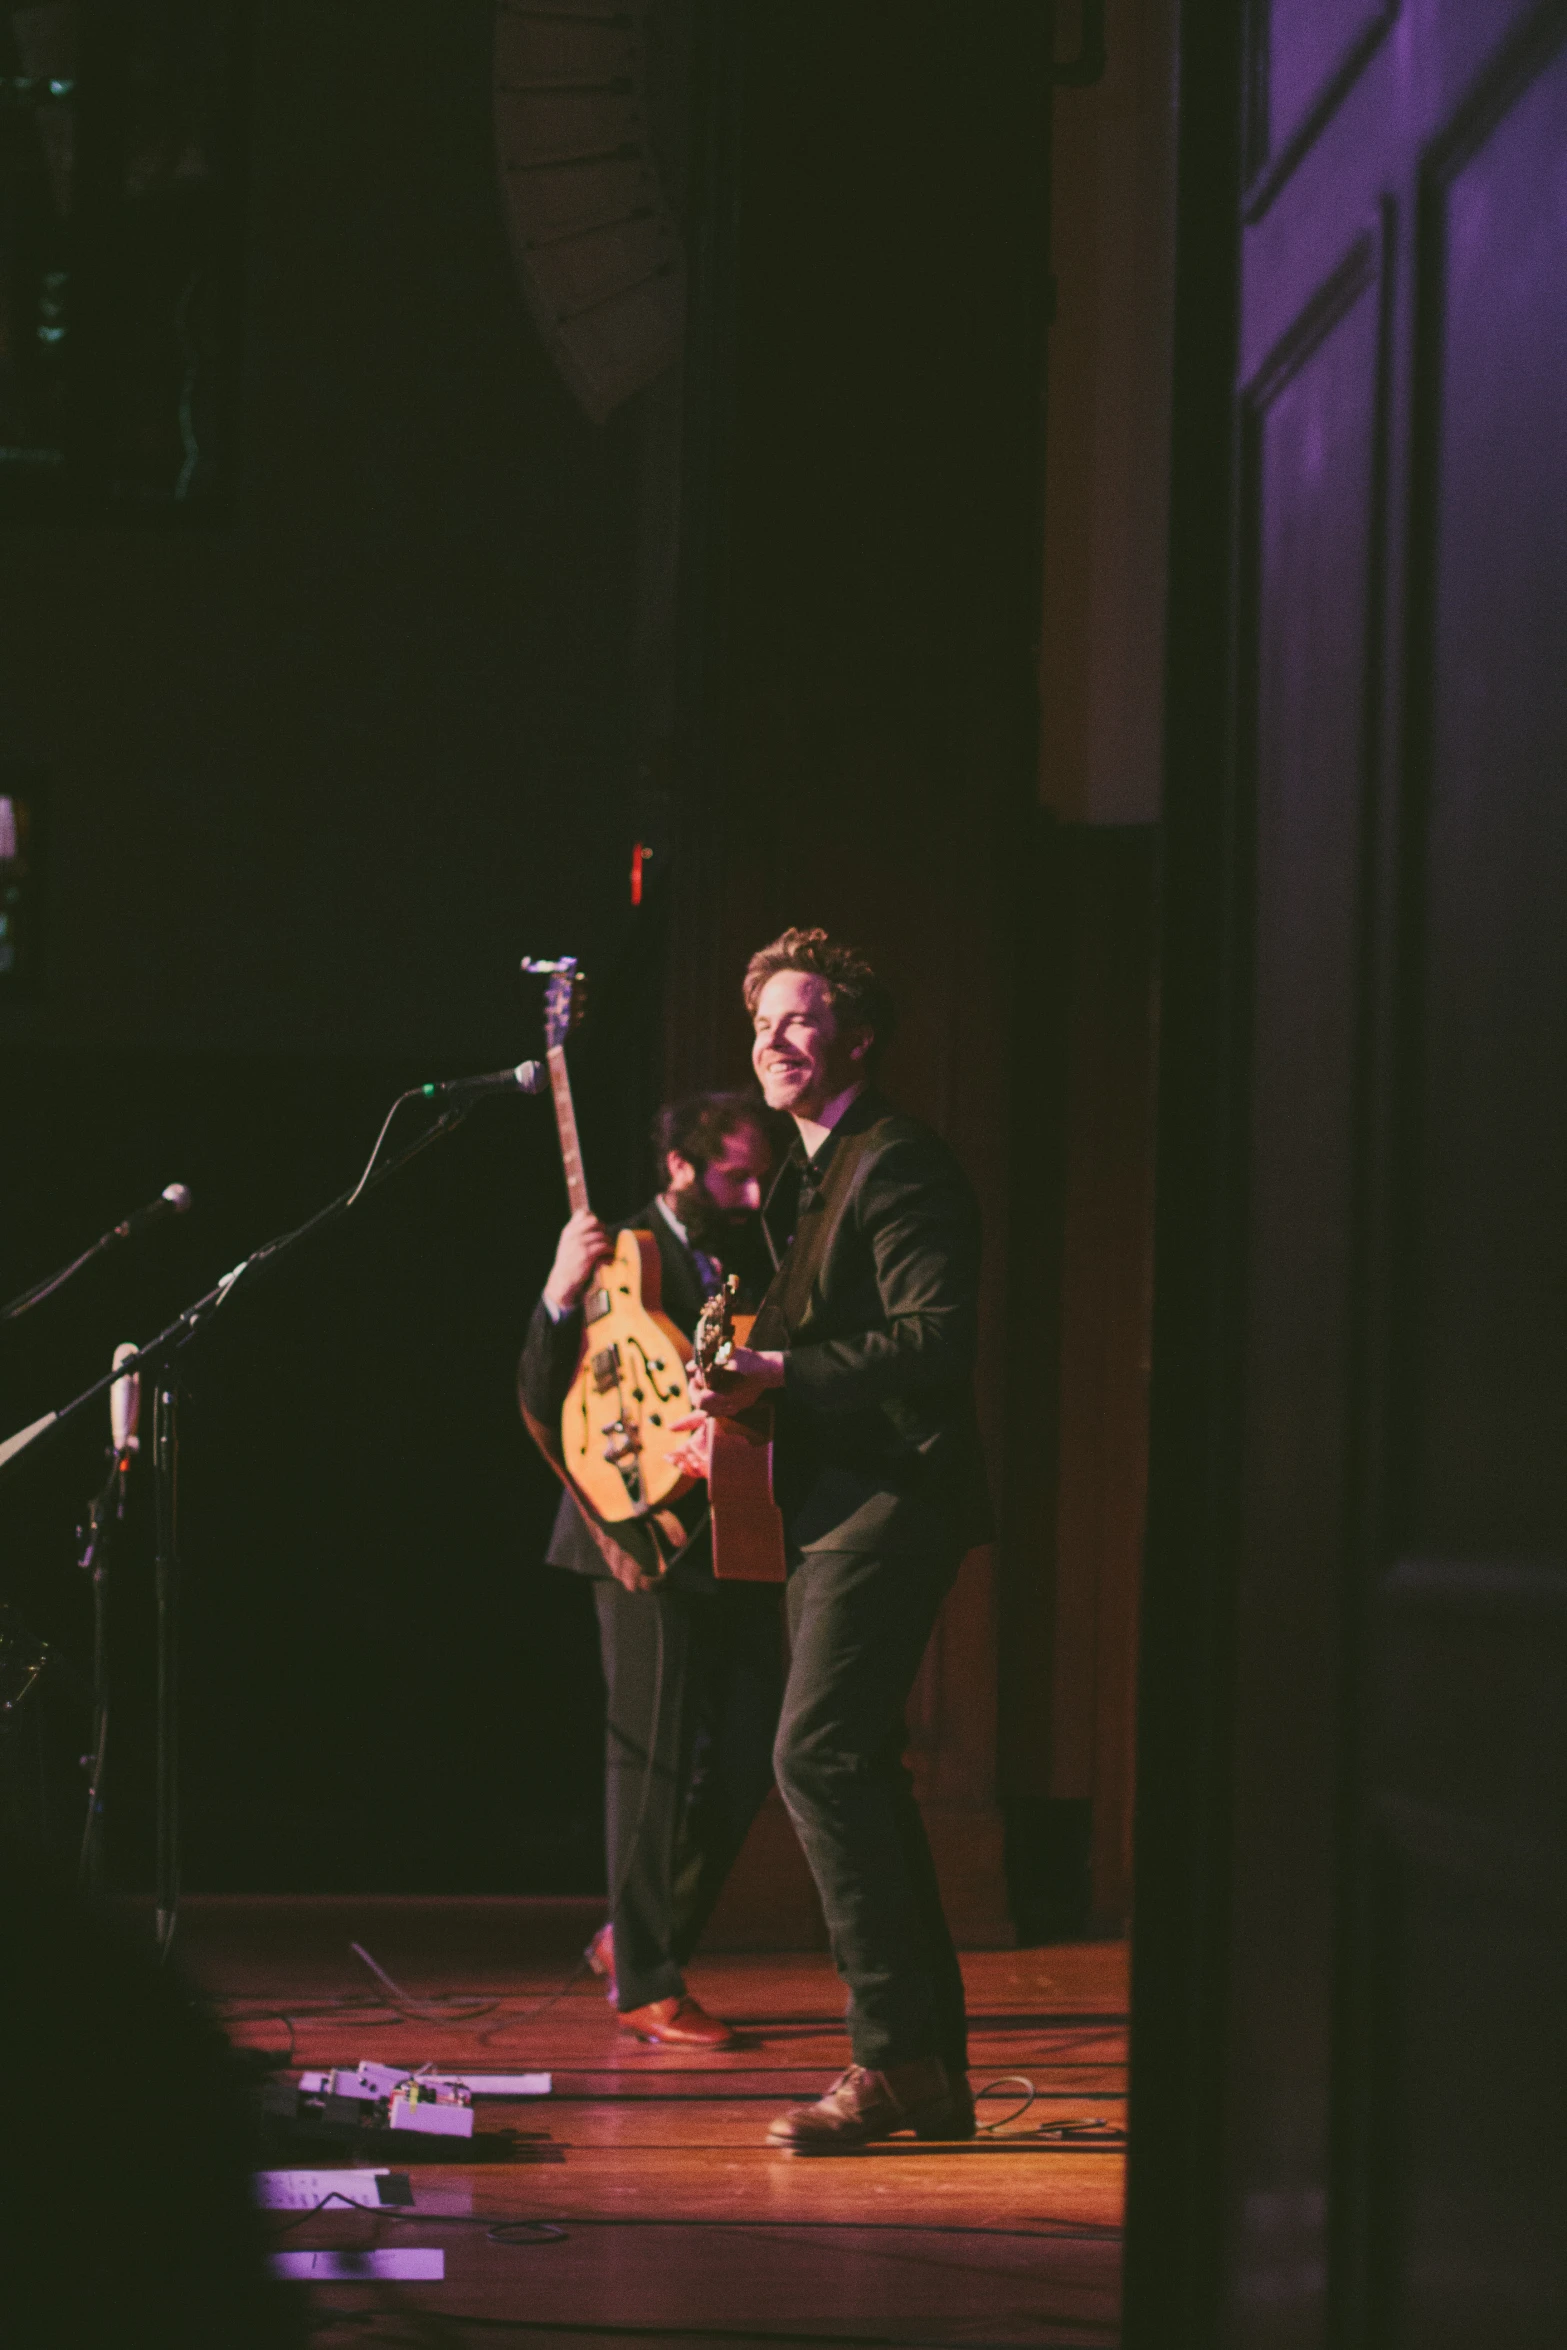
185	1326
173	1200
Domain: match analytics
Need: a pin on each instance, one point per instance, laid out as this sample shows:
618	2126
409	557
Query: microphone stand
159	1356
94	1561
166	1573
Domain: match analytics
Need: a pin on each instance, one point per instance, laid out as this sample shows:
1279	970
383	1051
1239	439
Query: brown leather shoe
677	2023
863	2106
600	1955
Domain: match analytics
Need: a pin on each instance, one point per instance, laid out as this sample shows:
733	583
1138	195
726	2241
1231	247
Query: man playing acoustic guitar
866	1342
692	1668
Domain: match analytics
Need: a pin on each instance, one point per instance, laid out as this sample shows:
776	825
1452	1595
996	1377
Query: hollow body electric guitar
630	1383
748	1535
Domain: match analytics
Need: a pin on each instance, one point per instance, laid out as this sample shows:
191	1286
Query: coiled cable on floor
1075	2130
442	2007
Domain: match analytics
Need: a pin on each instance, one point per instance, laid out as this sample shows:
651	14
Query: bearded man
866	1341
692	1668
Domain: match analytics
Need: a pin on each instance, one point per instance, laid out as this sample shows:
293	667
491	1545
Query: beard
709	1227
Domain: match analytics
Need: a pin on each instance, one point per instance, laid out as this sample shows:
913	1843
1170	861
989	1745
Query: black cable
613	2330
617	1892
581	1968
869	2227
1005	2081
547	2231
1078	2130
364	2005
649	1764
414	1091
449	1117
438	2009
272	2016
441	2007
405	2216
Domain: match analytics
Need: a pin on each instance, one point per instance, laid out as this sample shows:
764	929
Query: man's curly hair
698	1127
859	999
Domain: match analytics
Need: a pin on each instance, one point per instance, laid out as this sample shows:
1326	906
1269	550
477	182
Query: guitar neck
566	1127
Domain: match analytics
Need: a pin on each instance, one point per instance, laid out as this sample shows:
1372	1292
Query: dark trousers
693	1681
858	1625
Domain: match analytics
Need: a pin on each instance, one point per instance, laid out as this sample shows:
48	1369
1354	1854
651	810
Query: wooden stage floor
678	2224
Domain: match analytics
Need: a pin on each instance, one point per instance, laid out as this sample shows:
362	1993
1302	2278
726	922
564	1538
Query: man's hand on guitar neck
583	1246
744	1379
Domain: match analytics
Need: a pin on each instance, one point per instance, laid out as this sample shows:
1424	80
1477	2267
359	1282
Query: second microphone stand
104	1512
159	1355
166	1576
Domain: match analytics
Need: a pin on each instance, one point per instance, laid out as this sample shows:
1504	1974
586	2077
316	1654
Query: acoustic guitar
748	1535
630	1383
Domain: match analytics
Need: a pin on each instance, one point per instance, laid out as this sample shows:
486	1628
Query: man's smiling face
802	1058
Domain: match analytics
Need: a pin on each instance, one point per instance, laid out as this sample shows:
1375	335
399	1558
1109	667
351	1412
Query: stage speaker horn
598	249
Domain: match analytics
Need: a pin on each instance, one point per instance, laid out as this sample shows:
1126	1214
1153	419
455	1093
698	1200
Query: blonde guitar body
630	1388
630	1382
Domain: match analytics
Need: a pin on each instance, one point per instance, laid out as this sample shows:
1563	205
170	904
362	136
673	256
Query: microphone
125	1403
172	1200
527	1077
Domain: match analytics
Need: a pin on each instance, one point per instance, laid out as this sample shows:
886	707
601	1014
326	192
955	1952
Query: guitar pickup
597	1306
606	1368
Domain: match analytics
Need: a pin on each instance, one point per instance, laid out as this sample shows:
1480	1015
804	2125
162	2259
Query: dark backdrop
318	776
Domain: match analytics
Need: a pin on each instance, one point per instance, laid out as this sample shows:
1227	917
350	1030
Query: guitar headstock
565	996
714	1342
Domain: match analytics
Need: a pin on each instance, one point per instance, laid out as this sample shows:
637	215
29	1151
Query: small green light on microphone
428	1091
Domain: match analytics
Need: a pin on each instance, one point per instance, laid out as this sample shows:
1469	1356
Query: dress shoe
600	1955
863	2106
677	2023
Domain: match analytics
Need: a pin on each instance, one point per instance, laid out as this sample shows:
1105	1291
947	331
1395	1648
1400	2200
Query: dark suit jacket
876	1306
549	1357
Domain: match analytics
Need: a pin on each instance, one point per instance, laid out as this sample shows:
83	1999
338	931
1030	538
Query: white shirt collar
673	1221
